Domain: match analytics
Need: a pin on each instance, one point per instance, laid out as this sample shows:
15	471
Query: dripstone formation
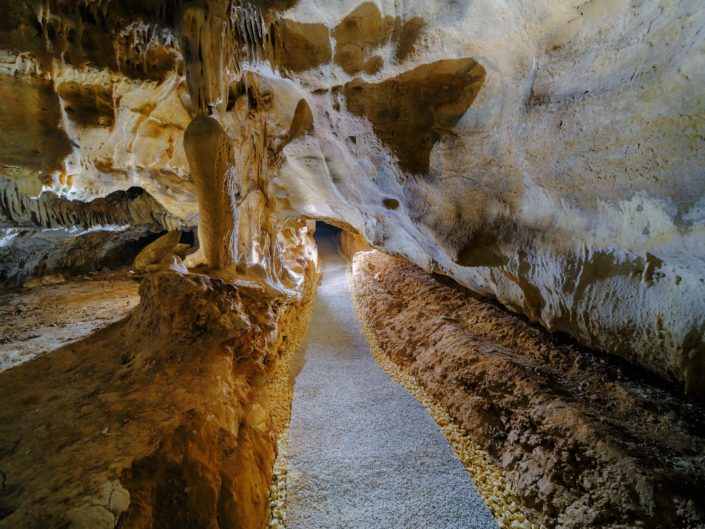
547	156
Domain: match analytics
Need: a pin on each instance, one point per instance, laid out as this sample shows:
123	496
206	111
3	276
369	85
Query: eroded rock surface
557	166
48	316
410	112
29	254
584	439
49	210
210	154
171	404
54	235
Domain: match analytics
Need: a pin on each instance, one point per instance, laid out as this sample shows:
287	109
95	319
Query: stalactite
134	206
232	172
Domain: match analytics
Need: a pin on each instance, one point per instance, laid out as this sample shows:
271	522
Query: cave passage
362	451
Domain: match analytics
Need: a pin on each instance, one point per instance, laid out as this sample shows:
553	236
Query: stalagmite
210	155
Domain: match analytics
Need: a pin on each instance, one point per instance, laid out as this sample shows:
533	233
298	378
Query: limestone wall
548	154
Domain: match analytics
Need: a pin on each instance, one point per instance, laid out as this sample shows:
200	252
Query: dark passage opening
324	229
328	238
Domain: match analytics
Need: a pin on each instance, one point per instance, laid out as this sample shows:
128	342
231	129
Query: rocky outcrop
49	210
172	404
28	253
550	192
547	155
166	253
584	439
52	234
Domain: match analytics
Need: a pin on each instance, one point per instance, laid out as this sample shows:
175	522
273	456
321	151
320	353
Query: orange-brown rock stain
584	439
173	403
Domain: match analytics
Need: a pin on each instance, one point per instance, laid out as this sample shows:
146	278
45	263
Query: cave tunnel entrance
327	234
323	229
344	240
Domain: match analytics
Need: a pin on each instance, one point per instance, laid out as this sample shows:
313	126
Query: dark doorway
326	230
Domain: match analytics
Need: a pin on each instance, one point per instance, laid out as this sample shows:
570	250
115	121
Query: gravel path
363	453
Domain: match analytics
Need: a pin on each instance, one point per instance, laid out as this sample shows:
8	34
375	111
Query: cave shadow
327	239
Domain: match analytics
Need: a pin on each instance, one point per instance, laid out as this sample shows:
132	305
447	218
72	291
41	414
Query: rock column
209	152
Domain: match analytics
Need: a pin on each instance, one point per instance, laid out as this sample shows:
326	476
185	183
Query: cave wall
571	189
549	155
54	235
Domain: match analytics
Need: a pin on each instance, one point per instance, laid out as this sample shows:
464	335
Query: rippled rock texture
549	156
585	440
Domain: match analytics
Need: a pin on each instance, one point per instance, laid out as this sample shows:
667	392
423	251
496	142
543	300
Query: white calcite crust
570	186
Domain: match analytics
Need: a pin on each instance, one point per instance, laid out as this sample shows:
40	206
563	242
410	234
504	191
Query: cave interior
356	264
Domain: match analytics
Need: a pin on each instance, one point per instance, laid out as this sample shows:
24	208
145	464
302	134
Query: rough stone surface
48	317
570	188
210	154
584	439
362	452
53	234
171	402
160	252
49	210
27	254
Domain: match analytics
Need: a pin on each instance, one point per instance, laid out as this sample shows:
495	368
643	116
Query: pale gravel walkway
363	453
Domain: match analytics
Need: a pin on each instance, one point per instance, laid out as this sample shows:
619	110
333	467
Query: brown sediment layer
584	439
487	475
160	420
281	394
56	312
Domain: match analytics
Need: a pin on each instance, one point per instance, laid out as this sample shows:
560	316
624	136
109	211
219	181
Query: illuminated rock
549	158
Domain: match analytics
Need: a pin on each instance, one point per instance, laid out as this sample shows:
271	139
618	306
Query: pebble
277	490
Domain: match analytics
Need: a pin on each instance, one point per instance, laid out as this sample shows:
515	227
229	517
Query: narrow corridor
363	453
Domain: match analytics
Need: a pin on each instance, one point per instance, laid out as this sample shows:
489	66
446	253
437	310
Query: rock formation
171	405
548	158
586	441
546	155
165	253
53	234
56	311
209	152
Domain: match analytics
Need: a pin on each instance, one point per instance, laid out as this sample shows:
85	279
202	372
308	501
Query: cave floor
35	321
584	439
362	451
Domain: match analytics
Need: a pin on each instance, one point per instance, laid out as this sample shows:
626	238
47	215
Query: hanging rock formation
549	158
